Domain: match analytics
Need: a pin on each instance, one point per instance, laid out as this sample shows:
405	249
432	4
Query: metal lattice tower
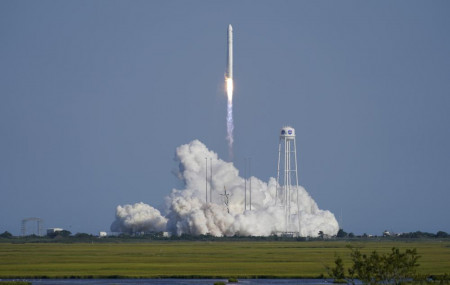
287	180
39	225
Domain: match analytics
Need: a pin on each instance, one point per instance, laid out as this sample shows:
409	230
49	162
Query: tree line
67	235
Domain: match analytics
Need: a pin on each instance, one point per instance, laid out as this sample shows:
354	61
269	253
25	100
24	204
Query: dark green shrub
394	268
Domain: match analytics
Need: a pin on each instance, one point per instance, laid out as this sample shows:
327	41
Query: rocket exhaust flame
229	90
229	84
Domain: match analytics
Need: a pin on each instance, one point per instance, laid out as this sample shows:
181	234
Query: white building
54	230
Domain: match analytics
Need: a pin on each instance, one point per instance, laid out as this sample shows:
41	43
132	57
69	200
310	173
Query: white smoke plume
187	212
230	128
230	123
139	217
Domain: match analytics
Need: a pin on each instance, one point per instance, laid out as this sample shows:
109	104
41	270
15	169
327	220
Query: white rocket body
229	73
229	90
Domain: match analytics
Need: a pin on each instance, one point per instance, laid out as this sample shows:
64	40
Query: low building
52	231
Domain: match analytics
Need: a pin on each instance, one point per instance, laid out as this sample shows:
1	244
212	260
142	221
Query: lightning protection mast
287	181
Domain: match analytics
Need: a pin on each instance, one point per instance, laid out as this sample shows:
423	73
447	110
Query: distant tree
185	236
341	234
82	235
6	234
351	235
418	234
321	234
441	234
59	234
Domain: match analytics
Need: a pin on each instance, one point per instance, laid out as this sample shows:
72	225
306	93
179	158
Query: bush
219	283
232	280
390	268
6	234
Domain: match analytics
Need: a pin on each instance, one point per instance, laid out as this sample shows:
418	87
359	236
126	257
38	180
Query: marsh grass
197	259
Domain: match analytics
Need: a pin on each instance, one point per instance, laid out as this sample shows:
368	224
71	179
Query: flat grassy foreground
197	259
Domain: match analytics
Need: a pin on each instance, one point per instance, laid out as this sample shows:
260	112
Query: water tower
287	180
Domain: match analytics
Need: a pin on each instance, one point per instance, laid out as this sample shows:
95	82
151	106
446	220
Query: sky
95	96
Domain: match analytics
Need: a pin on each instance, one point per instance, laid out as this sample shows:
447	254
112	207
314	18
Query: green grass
197	259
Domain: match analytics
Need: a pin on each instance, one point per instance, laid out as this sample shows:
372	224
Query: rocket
229	90
229	73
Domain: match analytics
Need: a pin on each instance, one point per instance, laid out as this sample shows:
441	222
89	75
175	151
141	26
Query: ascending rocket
229	73
229	90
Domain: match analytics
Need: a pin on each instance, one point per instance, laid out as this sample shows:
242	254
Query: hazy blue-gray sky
96	95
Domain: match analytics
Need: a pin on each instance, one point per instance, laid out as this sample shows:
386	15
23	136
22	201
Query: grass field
197	259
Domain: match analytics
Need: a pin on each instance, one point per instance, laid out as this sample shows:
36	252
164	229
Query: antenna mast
226	199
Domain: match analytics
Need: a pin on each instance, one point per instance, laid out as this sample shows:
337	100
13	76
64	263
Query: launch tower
39	224
287	180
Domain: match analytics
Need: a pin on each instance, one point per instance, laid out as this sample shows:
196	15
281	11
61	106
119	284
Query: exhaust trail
229	90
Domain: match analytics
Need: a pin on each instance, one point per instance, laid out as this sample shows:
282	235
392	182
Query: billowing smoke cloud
186	211
139	217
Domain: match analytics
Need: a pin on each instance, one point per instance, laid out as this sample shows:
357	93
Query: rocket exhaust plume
229	90
186	211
